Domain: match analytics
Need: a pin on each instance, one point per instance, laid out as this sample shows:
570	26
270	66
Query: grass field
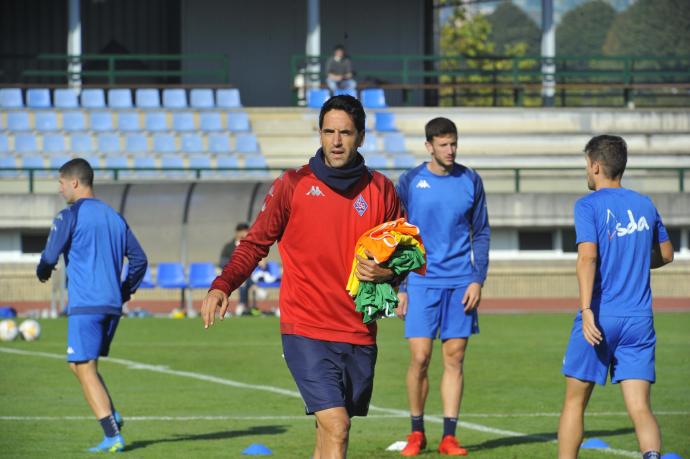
186	392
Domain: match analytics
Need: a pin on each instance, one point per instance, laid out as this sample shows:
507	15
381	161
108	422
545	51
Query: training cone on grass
671	456
594	443
257	449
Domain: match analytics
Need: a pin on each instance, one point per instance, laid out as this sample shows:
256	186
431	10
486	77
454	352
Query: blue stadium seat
65	98
33	161
147	282
136	143
226	161
101	121
8	162
156	121
109	143
201	98
317	97
145	162
11	98
38	98
183	121
200	160
92	98
246	143
201	275
255	161
228	98
176	161
238	122
373	98
4	143
376	161
171	275
81	143
370	144
25	143
45	121
346	92
116	161
18	121
174	98
128	121
119	98
404	161
73	121
385	122
219	143
147	98
192	143
164	143
394	142
210	121
54	143
56	162
94	161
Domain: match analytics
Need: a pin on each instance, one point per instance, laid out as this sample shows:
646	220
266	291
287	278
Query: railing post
681	179
516	171
111	70
31	181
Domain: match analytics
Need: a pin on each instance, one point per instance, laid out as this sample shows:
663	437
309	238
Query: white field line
291	393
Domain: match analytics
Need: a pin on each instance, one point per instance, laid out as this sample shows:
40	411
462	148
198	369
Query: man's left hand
370	271
472	297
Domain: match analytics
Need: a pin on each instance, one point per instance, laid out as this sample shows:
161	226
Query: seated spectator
241	231
339	71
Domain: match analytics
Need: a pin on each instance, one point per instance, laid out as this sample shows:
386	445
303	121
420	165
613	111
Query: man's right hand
589	329
214	299
401	311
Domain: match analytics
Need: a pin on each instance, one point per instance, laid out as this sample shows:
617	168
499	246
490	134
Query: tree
583	30
511	25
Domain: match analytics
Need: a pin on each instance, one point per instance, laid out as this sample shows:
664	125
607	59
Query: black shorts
330	374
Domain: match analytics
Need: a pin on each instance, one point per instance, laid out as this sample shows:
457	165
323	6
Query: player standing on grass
620	236
317	213
93	239
446	201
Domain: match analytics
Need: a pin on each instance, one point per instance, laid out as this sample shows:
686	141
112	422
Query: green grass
513	383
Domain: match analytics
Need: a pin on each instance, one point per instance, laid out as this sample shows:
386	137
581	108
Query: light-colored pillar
313	70
548	52
74	44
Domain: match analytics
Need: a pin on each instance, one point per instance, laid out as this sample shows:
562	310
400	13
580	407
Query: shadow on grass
222	435
540	438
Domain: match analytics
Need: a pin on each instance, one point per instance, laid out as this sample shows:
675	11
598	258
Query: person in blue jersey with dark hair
446	201
620	237
93	239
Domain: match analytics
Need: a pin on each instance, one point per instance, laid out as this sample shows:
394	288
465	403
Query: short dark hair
242	226
611	152
438	127
349	105
339	47
80	169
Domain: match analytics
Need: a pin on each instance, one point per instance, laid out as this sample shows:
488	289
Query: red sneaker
449	445
416	442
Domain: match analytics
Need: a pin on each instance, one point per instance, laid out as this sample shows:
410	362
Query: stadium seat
136	143
92	98
81	143
210	121
119	98
201	275
199	161
174	98
101	121
8	162
164	143
317	97
256	162
4	143
65	98
147	281
25	143
56	162
385	122
373	98
11	98
173	161
404	161
370	144
346	92
54	143
147	98
145	166
33	161
219	143
156	121
171	275
128	121
109	143
45	121
18	121
376	161
201	98
183	121
394	143
94	161
73	121
238	122
192	143
38	98
246	143
116	162
229	162
228	98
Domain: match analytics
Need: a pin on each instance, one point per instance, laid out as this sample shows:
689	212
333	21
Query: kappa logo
70	350
360	205
422	184
315	191
614	227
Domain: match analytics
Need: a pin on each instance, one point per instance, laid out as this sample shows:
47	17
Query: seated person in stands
339	71
241	231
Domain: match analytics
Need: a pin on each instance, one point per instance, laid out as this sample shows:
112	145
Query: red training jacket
316	229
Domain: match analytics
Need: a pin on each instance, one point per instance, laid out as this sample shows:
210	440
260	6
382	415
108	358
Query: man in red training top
317	213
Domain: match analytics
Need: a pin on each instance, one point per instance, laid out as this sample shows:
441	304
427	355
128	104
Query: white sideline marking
291	393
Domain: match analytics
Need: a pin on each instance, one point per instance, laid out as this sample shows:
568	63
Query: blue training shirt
94	239
624	224
450	211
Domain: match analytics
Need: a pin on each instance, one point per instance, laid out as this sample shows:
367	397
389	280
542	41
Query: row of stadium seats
372	98
121	98
201	275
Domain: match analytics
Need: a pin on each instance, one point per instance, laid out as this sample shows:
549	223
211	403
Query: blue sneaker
118	420
110	445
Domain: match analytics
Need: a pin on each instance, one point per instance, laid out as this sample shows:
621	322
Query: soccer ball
8	330
30	330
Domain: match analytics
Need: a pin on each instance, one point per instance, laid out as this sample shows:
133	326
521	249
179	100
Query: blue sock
418	423
109	426
449	425
651	455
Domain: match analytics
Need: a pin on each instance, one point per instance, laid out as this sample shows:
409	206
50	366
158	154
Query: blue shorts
330	374
433	312
627	351
89	336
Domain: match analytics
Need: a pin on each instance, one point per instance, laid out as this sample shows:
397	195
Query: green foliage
583	30
510	25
